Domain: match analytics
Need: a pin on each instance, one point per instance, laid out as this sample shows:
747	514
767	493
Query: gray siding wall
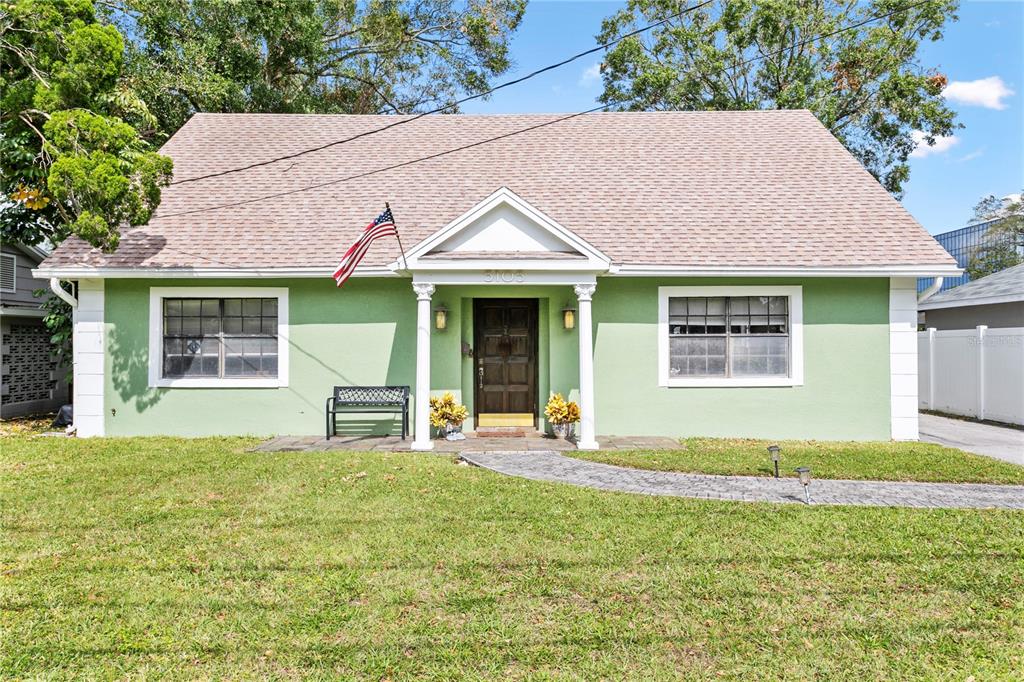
970	316
24	281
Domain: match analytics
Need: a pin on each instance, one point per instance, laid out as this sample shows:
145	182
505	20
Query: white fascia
81	272
627	270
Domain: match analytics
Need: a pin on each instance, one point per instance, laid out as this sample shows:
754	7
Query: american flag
383	226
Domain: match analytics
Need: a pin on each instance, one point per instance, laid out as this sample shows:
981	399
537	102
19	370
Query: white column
421	424
87	354
587	438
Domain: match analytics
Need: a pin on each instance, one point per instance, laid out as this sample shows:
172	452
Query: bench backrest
371	395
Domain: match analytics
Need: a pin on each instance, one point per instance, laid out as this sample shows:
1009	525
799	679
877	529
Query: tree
1004	241
312	56
72	160
866	85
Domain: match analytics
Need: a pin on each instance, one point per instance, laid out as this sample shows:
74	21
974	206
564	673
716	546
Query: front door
505	339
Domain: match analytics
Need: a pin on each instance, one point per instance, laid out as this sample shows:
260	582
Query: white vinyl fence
973	372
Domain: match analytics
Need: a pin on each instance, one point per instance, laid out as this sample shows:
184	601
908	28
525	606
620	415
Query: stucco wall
365	334
846	368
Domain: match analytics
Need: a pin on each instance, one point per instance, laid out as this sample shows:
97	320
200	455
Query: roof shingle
662	188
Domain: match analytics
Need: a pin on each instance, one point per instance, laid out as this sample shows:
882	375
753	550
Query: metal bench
367	399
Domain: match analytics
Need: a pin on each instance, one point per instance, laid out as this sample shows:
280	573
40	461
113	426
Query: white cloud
977	153
590	75
984	92
943	143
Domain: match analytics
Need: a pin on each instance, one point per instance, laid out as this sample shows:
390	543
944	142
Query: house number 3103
504	276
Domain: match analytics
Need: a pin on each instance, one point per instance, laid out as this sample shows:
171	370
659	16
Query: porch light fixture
805	480
441	317
569	317
773	450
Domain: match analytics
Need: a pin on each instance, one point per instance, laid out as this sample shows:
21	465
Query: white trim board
394	270
89	365
157	294
903	358
796	336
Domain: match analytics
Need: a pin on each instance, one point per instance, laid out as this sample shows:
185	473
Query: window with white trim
218	337
730	336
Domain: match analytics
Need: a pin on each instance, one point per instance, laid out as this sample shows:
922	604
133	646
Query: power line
450	105
503	136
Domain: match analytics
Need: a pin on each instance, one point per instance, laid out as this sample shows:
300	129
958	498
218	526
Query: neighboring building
30	381
730	274
960	244
994	301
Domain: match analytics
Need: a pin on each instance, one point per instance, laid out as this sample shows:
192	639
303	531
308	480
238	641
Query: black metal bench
367	399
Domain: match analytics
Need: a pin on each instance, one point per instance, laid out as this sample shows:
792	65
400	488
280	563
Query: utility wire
503	136
450	105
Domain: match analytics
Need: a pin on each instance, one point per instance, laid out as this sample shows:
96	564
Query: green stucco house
676	273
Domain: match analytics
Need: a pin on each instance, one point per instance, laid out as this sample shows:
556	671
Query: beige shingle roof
766	188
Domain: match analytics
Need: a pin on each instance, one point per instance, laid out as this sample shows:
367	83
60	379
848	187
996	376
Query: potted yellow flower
562	414
447	415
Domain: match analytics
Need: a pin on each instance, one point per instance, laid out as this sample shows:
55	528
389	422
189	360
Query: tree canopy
866	84
1003	246
72	159
312	56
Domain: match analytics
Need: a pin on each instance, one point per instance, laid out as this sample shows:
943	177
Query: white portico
505	245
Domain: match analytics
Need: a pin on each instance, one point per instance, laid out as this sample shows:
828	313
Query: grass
852	460
199	559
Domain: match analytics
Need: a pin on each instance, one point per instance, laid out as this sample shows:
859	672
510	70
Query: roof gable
504	226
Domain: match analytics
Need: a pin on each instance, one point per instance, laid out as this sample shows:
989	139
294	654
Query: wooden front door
505	356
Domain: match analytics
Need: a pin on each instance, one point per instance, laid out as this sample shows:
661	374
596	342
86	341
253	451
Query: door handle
480	375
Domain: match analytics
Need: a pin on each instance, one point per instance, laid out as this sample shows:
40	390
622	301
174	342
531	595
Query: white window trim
796	336
156	334
14	274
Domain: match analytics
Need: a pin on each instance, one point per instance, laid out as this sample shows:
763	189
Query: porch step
506	432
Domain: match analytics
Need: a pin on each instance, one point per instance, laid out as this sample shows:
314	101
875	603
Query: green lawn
879	461
185	559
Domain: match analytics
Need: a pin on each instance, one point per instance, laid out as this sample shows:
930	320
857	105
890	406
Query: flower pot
453	432
565	431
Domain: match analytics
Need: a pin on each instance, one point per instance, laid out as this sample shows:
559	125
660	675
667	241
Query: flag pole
405	263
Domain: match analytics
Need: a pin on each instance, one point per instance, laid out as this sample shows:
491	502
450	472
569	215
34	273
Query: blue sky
982	55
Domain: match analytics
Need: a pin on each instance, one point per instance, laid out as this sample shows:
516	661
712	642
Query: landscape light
805	480
773	450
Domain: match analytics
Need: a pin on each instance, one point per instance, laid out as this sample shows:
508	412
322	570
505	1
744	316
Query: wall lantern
773	450
805	480
569	317
441	317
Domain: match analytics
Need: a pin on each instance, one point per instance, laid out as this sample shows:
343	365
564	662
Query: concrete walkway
982	439
555	467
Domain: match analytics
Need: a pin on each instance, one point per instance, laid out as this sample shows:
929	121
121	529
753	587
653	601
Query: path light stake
805	480
773	450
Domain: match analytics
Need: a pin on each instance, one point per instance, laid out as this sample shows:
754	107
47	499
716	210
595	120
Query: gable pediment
505	227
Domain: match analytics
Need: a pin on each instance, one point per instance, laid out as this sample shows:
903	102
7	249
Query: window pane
758	305
190	326
232	325
250	325
251	306
172	326
777	304
738	305
716	306
270	307
677	306
697	356
211	307
696	305
191	306
172	306
233	306
760	356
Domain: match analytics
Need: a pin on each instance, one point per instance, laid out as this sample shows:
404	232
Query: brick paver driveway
552	466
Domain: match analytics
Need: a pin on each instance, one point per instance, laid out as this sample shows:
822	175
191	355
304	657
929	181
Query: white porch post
421	424
587	439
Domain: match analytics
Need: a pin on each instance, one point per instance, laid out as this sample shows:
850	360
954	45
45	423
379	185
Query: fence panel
973	372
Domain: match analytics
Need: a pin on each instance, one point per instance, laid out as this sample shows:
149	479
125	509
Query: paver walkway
552	466
473	442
